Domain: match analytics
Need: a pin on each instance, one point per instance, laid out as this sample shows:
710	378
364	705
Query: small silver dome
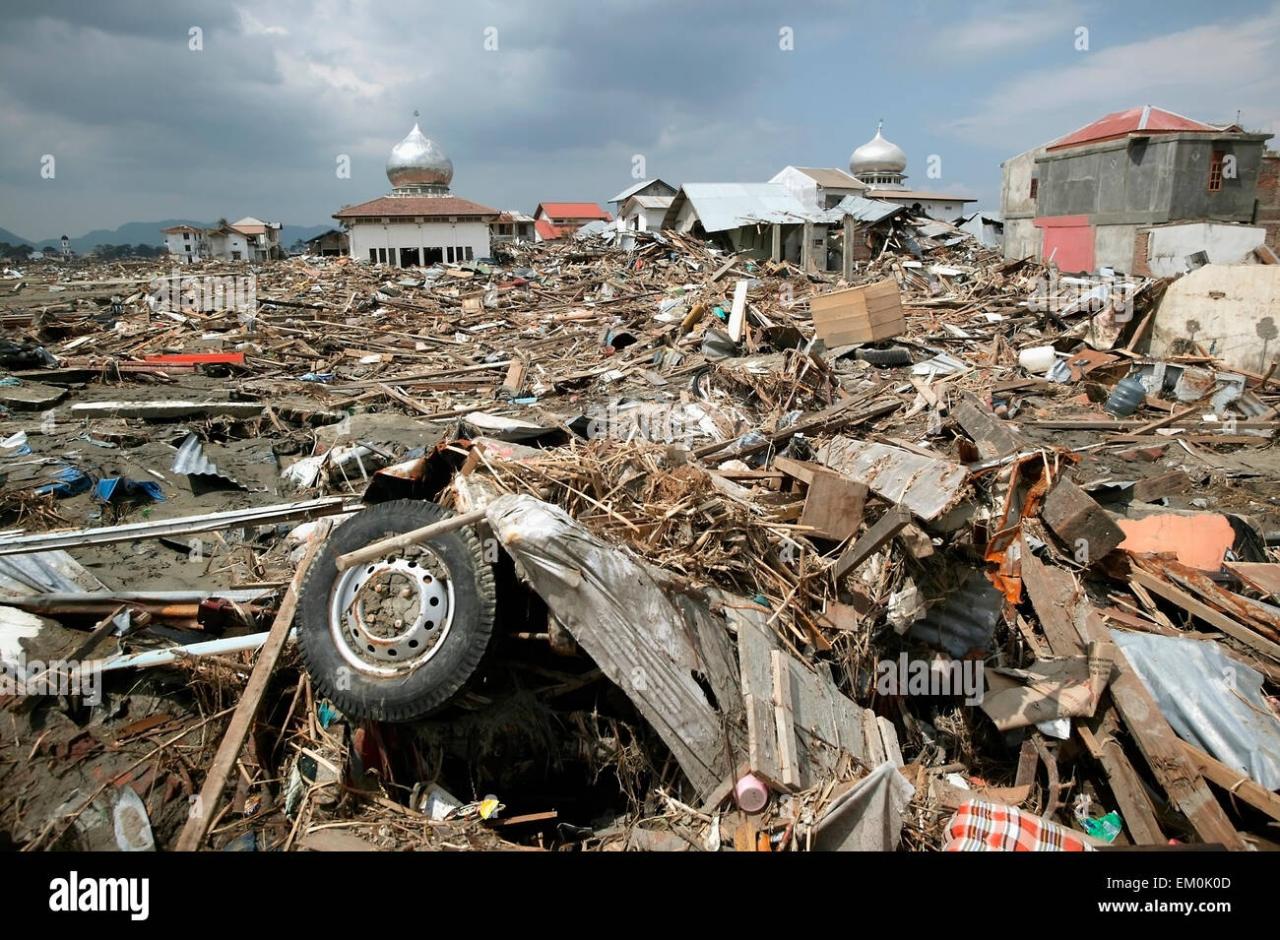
878	156
417	161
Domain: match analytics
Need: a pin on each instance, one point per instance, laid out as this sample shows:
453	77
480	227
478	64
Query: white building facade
186	243
419	222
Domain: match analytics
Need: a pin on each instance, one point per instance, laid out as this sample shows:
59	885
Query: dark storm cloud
144	128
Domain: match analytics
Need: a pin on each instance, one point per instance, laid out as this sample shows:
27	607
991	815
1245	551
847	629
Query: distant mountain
151	233
292	233
9	238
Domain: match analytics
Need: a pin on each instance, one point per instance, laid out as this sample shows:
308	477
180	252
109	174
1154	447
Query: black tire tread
893	356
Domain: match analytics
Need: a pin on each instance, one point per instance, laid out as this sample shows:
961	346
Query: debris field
726	555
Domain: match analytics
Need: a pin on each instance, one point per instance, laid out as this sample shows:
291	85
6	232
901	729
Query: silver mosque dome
878	156
418	161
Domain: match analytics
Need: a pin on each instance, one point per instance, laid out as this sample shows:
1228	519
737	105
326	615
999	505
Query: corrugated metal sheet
1210	699
44	573
724	206
191	461
863	210
965	621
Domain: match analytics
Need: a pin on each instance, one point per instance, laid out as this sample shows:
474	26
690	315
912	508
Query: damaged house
1142	191
640	208
877	170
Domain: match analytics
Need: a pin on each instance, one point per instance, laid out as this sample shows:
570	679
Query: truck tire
893	356
396	639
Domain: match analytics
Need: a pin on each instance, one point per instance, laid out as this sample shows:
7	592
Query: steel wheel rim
391	616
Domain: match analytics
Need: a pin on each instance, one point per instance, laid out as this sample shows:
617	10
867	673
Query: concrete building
332	243
819	187
226	243
881	166
1269	198
643	213
655	187
249	239
511	226
419	222
262	239
1022	239
1099	193
552	220
186	243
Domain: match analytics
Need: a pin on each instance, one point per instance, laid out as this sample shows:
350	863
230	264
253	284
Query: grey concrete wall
1113	247
1015	188
1022	239
1191	196
1149	182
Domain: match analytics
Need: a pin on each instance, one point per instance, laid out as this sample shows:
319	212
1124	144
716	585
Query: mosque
420	221
877	170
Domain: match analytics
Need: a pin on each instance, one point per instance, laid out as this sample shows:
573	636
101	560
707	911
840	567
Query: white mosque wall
387	240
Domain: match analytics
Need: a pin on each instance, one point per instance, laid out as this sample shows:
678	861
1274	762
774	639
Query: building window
186	236
448	254
1035	187
373	255
1215	171
468	251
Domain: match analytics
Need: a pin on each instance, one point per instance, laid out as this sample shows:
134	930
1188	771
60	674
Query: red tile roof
1135	120
548	231
573	210
401	206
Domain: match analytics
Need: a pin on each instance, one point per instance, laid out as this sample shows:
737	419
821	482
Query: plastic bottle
1125	398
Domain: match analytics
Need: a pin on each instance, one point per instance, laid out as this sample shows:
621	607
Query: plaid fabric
990	827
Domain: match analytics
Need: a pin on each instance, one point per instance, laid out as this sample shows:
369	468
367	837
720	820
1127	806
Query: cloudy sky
553	100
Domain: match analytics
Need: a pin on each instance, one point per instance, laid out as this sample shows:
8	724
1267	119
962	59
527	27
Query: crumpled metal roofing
45	573
724	206
965	621
191	461
1209	699
862	210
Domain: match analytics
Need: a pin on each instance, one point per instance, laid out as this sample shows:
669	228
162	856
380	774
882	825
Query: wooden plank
824	724
871	736
994	438
1262	577
228	753
1234	782
895	519
784	717
762	741
738	312
1054	594
833	506
1077	519
1206	613
1162	748
889	741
